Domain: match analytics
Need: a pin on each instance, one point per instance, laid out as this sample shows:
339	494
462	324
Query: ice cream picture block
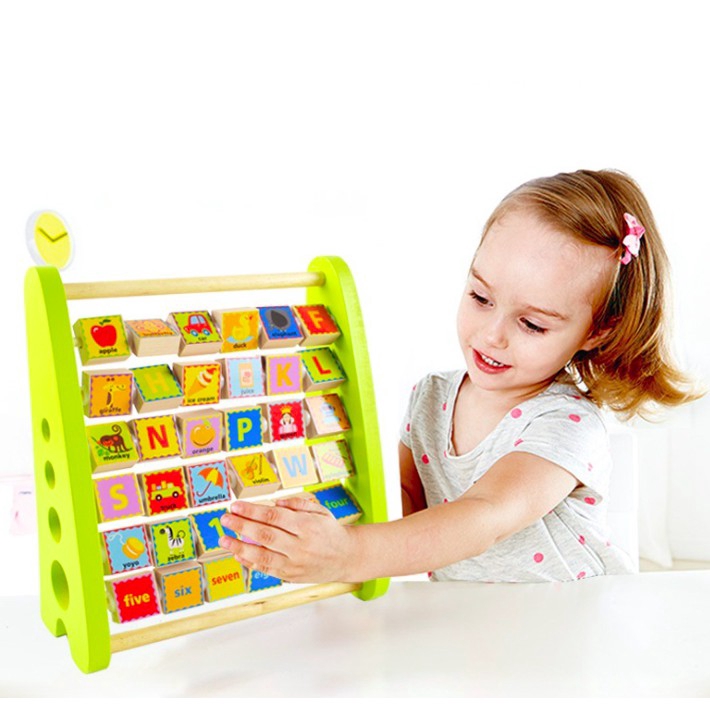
242	428
156	437
279	328
107	394
321	370
239	329
131	598
118	497
295	466
340	503
200	382
223	577
333	460
180	586
207	483
198	333
252	475
200	432
111	446
327	415
157	389
101	340
125	550
152	336
317	324
243	377
283	374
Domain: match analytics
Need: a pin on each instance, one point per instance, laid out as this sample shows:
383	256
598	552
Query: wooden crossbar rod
200	284
181	627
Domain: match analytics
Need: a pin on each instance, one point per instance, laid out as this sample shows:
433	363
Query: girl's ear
598	338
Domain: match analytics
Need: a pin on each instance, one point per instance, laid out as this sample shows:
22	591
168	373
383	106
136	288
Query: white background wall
228	137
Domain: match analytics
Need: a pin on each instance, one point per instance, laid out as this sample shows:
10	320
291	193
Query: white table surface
639	635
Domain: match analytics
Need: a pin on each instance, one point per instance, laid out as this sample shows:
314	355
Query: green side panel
72	596
368	485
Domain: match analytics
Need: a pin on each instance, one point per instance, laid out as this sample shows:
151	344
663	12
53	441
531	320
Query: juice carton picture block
340	503
118	497
327	415
200	382
258	581
317	324
180	587
295	466
157	437
279	327
198	333
243	377
243	428
126	550
152	336
132	598
107	394
208	483
208	531
252	475
333	460
157	389
239	329
101	340
172	542
285	421
283	374
164	491
200	432
111	446
321	370
223	577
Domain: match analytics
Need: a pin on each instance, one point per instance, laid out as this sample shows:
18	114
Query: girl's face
528	304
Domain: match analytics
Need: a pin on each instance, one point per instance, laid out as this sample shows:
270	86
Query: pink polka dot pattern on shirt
590	501
516	413
575	417
581	575
409	427
518	442
425	458
443	406
582	540
538	557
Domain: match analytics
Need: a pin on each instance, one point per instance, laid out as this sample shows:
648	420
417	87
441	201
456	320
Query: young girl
505	465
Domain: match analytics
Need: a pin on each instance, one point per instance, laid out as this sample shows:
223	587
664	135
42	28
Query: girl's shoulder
439	383
565	400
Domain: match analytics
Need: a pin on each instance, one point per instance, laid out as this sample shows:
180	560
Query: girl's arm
413	498
300	541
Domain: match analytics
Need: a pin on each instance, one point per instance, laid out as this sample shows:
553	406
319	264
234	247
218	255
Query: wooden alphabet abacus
147	541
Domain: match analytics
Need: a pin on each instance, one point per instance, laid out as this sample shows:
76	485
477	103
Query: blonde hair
631	370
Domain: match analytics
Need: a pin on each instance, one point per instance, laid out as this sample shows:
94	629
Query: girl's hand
297	540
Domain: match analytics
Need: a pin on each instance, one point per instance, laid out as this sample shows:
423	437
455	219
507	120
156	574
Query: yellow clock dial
49	240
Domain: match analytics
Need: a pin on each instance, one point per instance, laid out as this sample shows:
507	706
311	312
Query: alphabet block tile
327	415
172	542
164	491
243	377
243	428
252	475
208	483
340	503
321	370
333	460
132	598
285	421
118	497
200	382
283	374
224	577
101	340
259	581
180	587
318	325
208	530
157	388
279	328
107	394
152	336
111	446
126	550
295	466
198	333
200	432
239	329
156	437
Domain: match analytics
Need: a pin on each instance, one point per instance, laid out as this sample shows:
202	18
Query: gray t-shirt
572	541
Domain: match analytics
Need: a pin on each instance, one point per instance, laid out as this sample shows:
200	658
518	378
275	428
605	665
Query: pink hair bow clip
632	239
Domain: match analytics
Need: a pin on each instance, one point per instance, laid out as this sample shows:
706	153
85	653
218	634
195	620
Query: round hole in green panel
45	429
49	474
54	525
59	585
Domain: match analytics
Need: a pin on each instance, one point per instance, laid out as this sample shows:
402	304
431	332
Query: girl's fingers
302	504
265	534
255	557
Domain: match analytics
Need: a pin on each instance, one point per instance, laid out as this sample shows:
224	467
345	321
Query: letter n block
157	437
